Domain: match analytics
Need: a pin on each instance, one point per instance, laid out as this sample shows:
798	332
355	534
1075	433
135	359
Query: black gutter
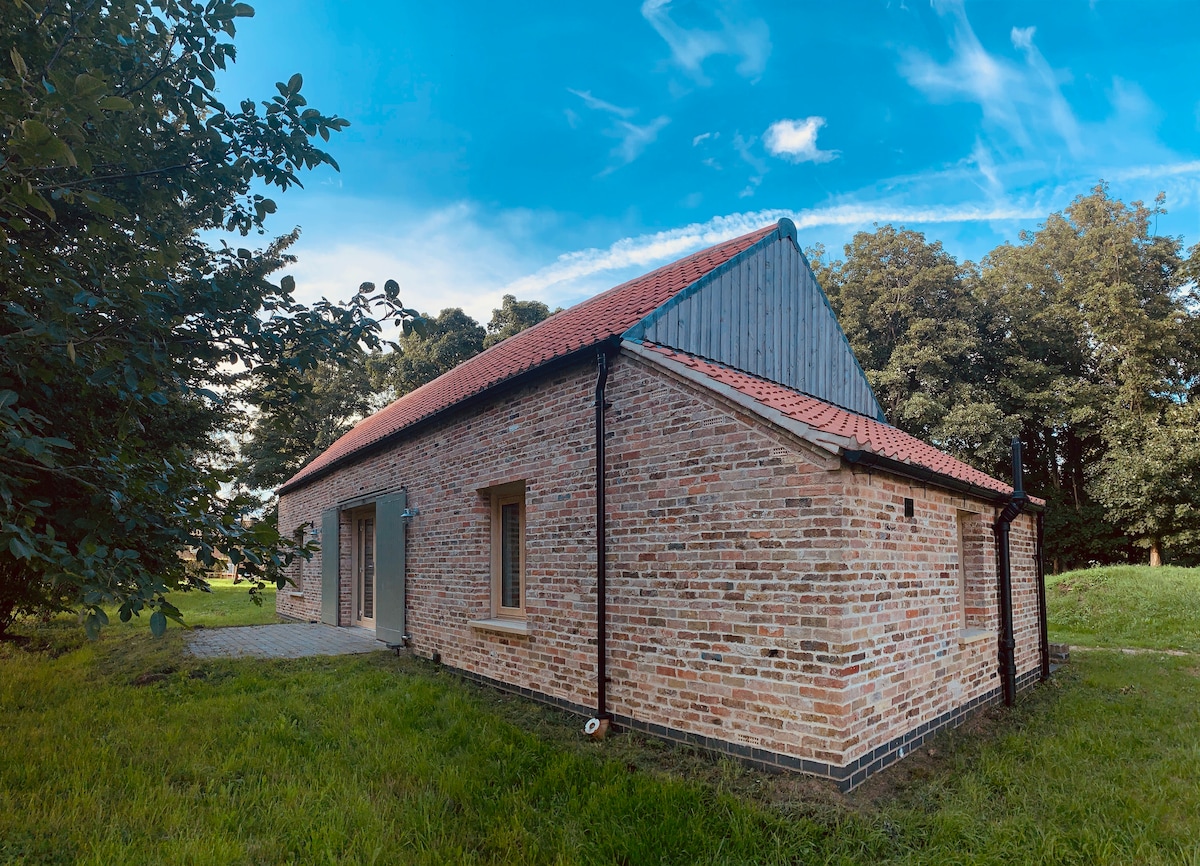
1043	618
920	473
601	552
1016	504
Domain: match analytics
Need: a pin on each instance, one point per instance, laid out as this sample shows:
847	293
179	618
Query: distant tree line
1083	338
335	395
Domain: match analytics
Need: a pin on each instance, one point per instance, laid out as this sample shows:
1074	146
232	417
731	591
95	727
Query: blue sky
557	150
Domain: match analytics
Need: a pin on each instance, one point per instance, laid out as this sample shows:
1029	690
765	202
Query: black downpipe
1008	644
601	553
1043	618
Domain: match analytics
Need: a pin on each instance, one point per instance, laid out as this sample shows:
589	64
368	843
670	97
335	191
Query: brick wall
760	594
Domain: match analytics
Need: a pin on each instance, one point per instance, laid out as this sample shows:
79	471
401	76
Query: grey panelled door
329	566
389	567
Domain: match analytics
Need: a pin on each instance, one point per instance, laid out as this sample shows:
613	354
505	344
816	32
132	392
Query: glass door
364	568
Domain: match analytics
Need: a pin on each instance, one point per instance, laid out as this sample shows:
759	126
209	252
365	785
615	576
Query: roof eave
847	448
858	457
493	390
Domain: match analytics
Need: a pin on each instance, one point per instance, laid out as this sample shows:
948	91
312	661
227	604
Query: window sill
516	627
973	635
295	595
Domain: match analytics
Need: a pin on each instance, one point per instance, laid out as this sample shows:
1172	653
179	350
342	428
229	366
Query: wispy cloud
600	105
1022	103
749	41
648	250
423	252
796	140
743	147
634	138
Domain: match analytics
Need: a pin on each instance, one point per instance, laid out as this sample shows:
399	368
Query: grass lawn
1126	606
227	604
374	759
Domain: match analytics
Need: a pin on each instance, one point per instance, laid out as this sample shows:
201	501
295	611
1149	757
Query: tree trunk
1155	554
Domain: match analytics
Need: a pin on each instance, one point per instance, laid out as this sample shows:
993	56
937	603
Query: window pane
510	555
368	561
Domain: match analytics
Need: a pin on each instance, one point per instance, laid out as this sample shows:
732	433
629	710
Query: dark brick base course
847	778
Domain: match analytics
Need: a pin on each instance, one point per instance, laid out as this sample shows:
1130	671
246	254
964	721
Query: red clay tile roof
589	323
870	435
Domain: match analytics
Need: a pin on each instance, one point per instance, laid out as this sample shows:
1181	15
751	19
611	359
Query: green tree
331	398
906	308
512	317
1149	478
440	345
129	342
1086	319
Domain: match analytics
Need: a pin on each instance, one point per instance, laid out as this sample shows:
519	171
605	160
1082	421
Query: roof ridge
590	322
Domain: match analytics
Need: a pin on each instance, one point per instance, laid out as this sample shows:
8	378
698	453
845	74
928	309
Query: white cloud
796	140
748	41
704	136
981	158
634	138
742	146
600	105
423	252
1022	37
1022	103
561	279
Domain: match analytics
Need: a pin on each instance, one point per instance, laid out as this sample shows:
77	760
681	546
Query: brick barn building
695	461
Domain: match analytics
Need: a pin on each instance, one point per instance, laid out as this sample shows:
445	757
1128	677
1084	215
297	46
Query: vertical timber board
389	567
330	561
766	314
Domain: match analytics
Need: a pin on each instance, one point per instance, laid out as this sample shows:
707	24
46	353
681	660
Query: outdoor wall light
409	513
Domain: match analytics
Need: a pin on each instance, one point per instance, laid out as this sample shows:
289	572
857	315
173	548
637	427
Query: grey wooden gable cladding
389	567
764	313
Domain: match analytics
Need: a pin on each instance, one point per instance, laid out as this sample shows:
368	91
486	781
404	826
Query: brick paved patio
281	641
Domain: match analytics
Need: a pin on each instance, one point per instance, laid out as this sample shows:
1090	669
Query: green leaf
115	103
18	62
243	10
365	288
87	85
288	283
36	132
420	327
46	144
158	623
295	83
91	625
392	289
19	549
159	398
244	253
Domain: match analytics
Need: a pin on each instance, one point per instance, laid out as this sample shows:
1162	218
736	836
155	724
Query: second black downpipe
1016	504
